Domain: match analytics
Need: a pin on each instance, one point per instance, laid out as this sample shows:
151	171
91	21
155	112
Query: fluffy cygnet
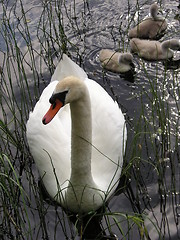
154	50
116	61
151	27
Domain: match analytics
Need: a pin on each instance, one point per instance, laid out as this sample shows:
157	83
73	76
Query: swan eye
54	105
52	99
61	96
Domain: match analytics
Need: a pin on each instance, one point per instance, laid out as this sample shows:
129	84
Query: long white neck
81	141
82	194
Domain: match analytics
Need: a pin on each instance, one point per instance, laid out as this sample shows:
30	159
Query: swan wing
50	144
66	67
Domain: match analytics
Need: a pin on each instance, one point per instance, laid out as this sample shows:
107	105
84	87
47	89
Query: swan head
66	91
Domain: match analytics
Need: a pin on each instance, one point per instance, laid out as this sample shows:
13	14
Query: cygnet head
154	10
172	44
126	58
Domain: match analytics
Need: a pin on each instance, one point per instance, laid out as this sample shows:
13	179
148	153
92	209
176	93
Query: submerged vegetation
33	37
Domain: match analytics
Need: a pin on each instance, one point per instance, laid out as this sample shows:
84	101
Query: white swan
79	154
151	27
116	61
154	50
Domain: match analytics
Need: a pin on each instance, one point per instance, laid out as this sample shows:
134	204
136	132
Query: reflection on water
149	99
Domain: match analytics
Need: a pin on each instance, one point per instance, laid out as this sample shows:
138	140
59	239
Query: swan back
115	61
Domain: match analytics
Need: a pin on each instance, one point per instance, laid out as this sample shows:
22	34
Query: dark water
155	171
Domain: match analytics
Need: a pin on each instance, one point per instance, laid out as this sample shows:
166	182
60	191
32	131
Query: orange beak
54	108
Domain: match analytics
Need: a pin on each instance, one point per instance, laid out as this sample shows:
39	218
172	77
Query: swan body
154	50
115	61
79	153
151	27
